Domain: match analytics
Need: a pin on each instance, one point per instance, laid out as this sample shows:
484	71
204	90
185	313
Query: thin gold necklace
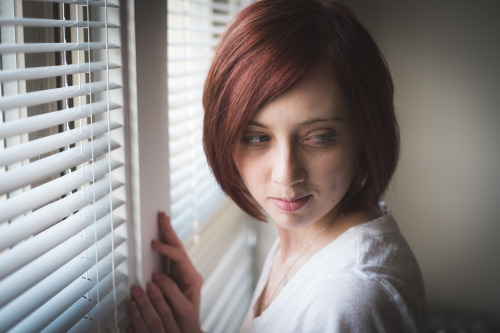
284	279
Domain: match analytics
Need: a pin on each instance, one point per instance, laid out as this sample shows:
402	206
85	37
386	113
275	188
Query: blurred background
444	57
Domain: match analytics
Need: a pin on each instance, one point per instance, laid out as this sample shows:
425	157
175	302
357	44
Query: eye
255	140
321	138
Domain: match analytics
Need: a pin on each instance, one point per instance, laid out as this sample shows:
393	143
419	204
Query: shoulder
371	282
373	248
359	303
354	304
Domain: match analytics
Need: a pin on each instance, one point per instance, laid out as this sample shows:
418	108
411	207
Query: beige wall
445	60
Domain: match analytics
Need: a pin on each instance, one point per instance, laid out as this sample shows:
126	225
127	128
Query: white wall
444	56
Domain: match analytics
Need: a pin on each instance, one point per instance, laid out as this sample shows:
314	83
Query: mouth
291	205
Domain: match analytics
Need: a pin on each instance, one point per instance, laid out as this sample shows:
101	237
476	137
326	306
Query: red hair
272	45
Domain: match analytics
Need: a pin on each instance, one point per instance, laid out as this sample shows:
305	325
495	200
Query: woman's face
298	155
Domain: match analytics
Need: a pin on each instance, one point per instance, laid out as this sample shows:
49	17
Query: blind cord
93	169
115	307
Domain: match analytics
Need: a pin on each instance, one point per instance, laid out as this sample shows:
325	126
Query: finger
167	231
138	324
178	302
149	314
189	286
162	308
184	272
172	252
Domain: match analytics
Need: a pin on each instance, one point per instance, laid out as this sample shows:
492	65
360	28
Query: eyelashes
255	140
322	137
314	140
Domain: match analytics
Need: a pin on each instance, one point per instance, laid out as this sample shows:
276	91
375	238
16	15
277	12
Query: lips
291	205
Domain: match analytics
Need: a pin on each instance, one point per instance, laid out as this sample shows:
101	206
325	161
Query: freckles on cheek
337	181
254	177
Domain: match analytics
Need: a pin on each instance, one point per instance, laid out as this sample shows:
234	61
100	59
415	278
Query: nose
288	168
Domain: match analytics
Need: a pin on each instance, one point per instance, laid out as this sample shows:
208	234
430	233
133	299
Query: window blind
193	28
215	231
62	197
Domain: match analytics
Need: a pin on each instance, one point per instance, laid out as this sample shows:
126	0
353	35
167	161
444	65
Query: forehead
315	97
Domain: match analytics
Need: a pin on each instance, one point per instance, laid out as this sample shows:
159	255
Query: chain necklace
284	279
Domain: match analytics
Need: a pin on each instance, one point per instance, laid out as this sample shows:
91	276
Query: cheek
335	173
251	169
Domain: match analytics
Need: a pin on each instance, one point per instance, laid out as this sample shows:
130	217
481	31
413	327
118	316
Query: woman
300	124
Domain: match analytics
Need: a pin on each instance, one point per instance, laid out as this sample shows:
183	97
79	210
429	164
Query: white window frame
228	236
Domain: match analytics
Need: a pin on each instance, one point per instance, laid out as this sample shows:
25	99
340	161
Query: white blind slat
237	294
53	47
181	116
191	177
53	95
26	252
51	285
204	200
177	147
194	155
46	282
180	177
196	83
193	99
234	257
13	312
105	307
53	190
216	238
207	42
46	120
189	57
197	72
50	214
225	7
188	129
101	3
46	23
47	144
52	71
77	307
215	18
214	30
193	140
54	164
54	307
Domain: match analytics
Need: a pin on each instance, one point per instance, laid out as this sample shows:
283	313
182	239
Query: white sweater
366	280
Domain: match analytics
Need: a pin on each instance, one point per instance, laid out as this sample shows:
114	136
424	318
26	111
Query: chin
291	221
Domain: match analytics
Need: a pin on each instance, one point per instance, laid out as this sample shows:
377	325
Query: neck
293	241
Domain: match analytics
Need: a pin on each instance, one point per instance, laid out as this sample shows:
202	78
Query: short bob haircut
269	47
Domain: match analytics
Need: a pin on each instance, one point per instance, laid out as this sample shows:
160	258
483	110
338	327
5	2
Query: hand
170	303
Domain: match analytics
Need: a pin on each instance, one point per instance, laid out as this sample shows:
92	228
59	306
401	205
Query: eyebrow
318	120
307	122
